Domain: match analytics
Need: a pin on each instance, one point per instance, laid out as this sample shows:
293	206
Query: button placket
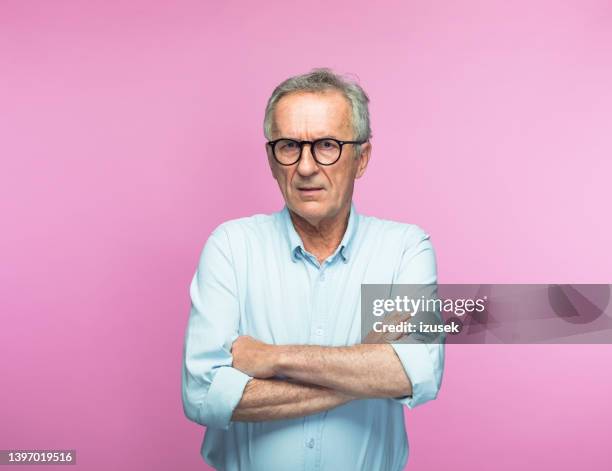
319	321
319	330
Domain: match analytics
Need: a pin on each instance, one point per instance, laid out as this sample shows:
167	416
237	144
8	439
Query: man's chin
311	211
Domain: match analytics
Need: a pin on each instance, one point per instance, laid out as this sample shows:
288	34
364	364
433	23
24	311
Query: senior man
274	364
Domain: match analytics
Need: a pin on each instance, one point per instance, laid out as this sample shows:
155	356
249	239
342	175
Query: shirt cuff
418	365
223	396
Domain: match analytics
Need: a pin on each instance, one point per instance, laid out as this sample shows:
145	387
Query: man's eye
286	146
327	145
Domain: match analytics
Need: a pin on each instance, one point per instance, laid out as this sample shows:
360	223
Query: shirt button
319	332
310	443
322	277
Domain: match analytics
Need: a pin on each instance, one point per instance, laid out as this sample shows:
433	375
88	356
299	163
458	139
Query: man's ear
270	160
363	159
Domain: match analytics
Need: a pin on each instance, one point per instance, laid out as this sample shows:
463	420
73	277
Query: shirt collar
296	246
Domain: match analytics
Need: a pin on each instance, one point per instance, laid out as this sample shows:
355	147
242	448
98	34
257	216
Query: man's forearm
273	399
364	370
359	370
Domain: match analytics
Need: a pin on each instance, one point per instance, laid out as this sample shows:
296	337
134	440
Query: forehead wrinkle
306	118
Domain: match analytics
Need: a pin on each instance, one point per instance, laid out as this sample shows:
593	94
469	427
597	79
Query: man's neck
322	239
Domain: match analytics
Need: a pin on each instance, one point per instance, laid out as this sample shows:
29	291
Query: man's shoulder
255	225
392	229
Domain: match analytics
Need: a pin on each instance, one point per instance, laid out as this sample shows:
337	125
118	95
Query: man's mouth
309	189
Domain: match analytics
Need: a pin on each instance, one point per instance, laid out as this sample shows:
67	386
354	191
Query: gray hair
321	80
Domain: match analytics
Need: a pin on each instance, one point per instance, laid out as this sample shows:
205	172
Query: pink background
129	130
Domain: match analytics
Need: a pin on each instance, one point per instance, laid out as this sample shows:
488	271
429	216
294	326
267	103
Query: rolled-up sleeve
422	362
211	387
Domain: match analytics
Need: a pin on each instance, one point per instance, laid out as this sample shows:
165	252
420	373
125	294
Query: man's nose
307	165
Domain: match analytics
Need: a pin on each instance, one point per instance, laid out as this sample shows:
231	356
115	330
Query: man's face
317	192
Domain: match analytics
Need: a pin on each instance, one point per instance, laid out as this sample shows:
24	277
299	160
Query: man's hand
254	358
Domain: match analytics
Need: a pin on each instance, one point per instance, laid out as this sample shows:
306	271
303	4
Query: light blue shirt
255	278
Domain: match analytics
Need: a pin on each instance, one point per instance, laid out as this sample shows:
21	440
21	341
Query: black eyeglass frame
340	143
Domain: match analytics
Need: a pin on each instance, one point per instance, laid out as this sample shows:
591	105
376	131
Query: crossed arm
320	378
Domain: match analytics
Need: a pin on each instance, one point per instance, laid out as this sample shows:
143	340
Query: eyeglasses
325	151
